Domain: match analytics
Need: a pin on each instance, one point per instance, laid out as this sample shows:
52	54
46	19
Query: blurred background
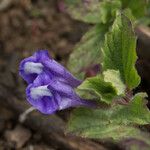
29	25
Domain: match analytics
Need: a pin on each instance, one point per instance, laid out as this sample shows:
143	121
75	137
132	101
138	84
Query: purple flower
51	86
32	66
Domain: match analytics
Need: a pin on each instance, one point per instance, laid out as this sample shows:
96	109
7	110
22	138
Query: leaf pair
119	58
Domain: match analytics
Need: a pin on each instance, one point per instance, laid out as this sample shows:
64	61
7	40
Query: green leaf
94	11
136	113
105	87
87	51
146	19
103	90
108	10
118	122
119	51
138	7
86	11
113	77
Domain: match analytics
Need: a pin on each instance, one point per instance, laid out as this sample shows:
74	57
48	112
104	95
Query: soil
25	26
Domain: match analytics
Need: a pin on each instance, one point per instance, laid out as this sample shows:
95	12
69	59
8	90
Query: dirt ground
25	26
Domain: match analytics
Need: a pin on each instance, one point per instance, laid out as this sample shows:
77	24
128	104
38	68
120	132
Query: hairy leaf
96	11
93	11
117	122
113	77
119	51
106	87
103	90
87	52
138	7
87	11
108	10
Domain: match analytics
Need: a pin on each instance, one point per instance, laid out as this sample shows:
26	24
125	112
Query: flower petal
62	88
43	79
32	66
66	102
29	78
45	104
59	70
41	55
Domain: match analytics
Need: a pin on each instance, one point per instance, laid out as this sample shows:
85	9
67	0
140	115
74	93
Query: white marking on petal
40	91
64	103
31	67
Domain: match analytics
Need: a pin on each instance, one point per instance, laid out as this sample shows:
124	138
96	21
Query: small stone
19	136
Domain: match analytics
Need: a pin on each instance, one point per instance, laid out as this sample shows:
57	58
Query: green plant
123	111
101	14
